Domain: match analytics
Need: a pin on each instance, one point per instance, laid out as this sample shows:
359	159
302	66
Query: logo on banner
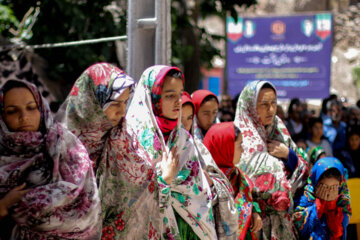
307	27
278	28
323	25
235	30
249	29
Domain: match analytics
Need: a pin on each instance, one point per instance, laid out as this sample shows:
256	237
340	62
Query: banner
293	53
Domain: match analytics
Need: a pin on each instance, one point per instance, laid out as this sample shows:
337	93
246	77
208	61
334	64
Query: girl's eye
32	108
9	112
172	96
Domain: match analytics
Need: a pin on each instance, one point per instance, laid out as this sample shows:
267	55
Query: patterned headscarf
166	125
189	194
274	186
63	202
83	110
303	216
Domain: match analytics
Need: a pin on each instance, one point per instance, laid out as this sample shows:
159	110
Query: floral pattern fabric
274	185
64	201
82	112
125	174
307	219
189	194
220	141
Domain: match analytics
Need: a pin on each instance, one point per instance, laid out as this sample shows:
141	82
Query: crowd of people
147	160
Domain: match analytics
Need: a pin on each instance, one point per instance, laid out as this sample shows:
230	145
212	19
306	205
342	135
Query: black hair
209	98
190	104
314	120
352	130
268	86
237	132
235	100
331	173
358	103
293	102
12	83
331	103
175	74
225	112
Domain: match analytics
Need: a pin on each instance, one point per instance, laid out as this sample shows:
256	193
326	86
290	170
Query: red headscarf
186	99
165	124
199	96
220	140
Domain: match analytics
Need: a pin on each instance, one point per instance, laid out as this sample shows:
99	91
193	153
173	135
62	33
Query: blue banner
293	53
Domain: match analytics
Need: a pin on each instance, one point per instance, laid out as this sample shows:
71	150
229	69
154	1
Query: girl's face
238	149
354	142
317	130
266	106
116	111
207	114
171	94
187	113
21	113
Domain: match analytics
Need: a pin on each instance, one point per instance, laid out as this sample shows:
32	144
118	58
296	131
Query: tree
71	20
192	45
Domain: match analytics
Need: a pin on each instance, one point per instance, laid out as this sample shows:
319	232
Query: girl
317	137
187	111
96	103
270	159
61	200
223	203
95	110
224	142
185	201
206	109
324	209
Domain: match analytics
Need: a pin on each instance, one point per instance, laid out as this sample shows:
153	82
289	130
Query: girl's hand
11	198
256	222
170	165
327	193
278	149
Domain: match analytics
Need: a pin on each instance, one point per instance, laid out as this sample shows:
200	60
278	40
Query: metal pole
149	35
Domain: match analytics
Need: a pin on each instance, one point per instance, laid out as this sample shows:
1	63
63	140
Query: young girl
317	137
61	200
95	110
223	203
187	111
224	143
324	209
185	201
206	109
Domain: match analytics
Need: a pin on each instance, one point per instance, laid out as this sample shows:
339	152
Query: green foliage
71	20
356	76
7	20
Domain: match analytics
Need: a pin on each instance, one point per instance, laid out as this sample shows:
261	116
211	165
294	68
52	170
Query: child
95	110
317	139
187	111
206	109
224	143
226	219
153	114
61	200
314	154
350	155
324	209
